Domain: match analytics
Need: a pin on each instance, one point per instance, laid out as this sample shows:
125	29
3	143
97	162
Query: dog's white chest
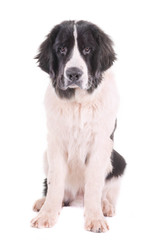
79	131
78	136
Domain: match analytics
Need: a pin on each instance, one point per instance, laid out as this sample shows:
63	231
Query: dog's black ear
107	54
46	58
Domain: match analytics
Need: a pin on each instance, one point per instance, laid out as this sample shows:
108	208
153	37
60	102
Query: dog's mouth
64	84
75	84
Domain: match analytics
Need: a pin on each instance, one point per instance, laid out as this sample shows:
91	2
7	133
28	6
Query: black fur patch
45	187
101	55
117	160
51	61
118	164
112	135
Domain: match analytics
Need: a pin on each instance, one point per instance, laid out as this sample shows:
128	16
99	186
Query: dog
81	105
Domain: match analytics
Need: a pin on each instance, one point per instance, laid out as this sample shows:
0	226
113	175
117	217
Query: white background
134	27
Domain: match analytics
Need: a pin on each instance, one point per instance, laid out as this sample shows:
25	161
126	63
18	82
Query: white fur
79	149
77	61
109	196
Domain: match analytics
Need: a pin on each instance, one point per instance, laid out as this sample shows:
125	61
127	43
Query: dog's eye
62	50
86	50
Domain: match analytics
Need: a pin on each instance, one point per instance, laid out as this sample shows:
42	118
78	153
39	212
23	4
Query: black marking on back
119	165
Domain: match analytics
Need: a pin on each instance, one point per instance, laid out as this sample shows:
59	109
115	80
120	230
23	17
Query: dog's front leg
98	165
49	212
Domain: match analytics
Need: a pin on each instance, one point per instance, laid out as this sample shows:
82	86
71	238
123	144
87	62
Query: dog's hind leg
109	196
112	184
38	204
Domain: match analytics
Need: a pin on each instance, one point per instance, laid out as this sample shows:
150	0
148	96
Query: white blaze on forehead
77	61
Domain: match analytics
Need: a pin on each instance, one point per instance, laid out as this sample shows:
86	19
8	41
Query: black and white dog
81	105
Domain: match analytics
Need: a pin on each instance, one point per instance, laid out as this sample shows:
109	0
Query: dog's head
75	54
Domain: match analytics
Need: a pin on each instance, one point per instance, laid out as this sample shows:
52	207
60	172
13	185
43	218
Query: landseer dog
81	104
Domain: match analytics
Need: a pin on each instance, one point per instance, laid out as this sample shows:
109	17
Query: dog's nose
74	74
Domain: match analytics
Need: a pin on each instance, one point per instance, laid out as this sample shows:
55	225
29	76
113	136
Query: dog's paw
38	205
44	220
108	209
97	225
